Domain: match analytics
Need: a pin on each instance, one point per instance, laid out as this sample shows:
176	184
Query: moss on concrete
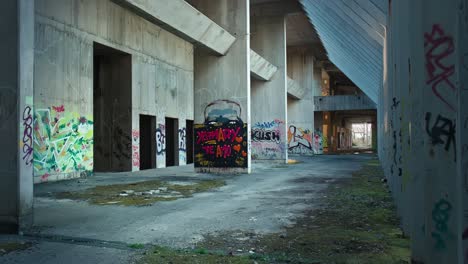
111	194
8	247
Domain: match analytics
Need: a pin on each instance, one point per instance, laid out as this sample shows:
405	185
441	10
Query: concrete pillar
462	120
222	93
16	114
300	117
269	134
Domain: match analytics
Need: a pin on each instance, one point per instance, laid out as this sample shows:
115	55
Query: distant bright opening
362	135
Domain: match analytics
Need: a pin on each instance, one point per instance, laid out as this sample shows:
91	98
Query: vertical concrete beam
462	120
222	93
300	120
269	136
16	114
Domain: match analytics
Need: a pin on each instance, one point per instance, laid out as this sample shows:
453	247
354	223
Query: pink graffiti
136	148
59	109
221	134
27	136
439	47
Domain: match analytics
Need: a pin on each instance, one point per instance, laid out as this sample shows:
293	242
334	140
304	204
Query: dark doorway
172	142
147	142
189	141
112	110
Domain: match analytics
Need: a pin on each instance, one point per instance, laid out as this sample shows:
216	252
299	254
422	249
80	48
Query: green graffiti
63	142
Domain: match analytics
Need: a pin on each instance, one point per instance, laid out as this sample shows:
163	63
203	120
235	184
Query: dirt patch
8	247
140	193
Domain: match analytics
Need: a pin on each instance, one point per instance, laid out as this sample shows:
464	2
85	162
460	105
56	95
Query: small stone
239	250
138	193
147	193
123	195
163	189
128	191
251	252
155	191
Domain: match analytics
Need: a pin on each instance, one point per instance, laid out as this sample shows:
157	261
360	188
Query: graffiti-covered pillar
300	126
16	114
222	93
269	134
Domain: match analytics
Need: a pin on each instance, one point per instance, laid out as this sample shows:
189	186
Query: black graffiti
182	138
443	127
265	135
395	103
27	136
160	140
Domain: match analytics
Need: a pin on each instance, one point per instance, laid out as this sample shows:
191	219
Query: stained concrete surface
266	201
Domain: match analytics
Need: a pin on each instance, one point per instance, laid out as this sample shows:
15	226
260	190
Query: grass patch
9	247
136	246
358	224
199	256
111	194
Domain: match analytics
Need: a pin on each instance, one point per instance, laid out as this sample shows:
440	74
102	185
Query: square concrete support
269	134
222	93
16	114
302	139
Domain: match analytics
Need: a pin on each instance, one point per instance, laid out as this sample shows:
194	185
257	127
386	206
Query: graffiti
440	217
59	109
265	135
266	140
268	125
63	142
299	140
161	139
27	140
439	47
222	140
136	149
318	142
395	103
182	139
442	127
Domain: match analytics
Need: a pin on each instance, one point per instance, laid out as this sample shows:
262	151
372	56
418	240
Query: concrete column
462	138
16	114
222	93
269	134
300	118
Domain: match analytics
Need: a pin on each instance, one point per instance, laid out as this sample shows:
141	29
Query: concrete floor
267	200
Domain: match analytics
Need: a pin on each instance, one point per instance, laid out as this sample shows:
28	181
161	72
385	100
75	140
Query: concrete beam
295	90
260	68
182	19
343	103
278	8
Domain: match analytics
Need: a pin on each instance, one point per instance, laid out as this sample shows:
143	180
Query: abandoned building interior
113	86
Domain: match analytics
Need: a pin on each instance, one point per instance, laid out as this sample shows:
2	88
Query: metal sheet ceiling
352	32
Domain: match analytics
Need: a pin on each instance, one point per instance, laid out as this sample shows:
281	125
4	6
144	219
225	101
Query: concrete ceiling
352	32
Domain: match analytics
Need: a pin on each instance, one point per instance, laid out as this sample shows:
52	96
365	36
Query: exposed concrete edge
295	90
183	20
260	68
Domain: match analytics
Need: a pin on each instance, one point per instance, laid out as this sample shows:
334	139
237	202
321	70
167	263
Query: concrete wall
162	80
222	93
269	136
300	112
423	125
